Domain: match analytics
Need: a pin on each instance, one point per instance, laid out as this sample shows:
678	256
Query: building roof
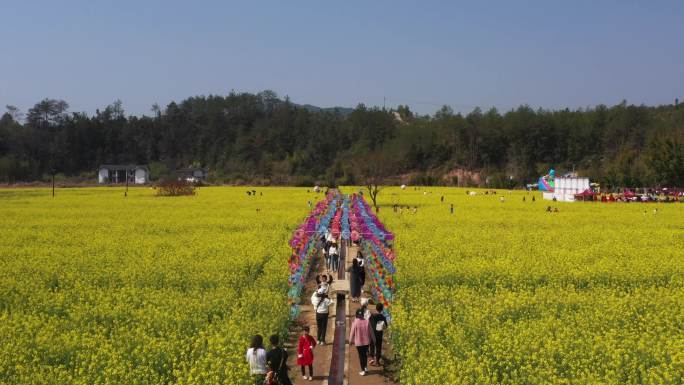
190	169
123	167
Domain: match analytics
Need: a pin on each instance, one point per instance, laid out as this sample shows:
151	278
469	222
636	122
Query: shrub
175	188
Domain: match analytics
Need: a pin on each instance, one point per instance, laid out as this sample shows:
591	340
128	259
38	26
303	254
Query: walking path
322	353
335	363
324	358
375	375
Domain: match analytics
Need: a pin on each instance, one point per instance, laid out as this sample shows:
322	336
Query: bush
175	188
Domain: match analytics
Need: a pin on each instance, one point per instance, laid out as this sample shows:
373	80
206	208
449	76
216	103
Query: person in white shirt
364	307
321	304
256	357
334	257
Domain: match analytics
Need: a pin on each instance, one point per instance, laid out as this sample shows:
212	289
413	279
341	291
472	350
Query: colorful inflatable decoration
546	183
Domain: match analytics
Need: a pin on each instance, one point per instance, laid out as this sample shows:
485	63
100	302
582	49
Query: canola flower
506	293
96	288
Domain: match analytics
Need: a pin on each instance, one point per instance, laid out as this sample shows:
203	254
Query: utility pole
383	103
126	192
52	171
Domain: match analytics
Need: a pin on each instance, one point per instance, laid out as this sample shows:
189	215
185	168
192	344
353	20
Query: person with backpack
305	356
321	304
276	358
361	336
256	357
378	324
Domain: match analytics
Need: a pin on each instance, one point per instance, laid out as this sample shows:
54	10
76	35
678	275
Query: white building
114	173
565	188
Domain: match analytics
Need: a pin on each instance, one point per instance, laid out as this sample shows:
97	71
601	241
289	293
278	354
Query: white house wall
140	176
103	175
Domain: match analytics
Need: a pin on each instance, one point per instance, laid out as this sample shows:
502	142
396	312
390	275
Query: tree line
261	138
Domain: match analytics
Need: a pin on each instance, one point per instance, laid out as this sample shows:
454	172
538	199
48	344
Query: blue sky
551	54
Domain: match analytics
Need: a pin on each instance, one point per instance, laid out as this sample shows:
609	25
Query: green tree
666	159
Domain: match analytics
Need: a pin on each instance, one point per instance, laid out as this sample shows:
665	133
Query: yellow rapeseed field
507	293
96	288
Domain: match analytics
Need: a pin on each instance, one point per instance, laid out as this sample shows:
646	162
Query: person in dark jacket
356	275
378	324
276	358
362	271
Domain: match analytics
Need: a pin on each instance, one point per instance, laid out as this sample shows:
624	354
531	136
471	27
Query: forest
264	139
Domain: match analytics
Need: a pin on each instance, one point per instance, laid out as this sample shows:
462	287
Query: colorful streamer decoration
351	218
305	244
375	240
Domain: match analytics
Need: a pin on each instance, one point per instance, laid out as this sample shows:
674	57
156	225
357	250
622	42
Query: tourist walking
276	359
355	279
334	257
256	357
361	271
305	356
321	304
326	254
361	336
378	324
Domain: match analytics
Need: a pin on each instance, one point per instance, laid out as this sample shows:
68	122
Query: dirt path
307	316
376	375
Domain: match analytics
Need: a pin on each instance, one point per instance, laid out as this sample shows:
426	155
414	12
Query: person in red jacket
305	353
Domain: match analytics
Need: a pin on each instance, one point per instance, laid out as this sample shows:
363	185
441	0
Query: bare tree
373	170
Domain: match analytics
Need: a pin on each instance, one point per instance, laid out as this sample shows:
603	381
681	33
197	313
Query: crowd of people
366	334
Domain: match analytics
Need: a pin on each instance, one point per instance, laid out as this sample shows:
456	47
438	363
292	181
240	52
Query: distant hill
344	111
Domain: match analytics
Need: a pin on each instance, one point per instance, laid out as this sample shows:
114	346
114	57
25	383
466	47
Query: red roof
586	193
